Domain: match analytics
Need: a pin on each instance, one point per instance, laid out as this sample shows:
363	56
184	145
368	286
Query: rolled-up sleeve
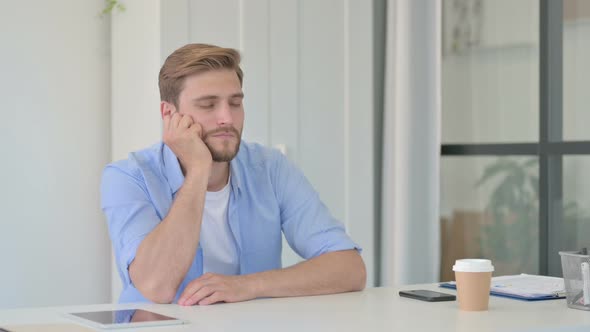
307	224
130	214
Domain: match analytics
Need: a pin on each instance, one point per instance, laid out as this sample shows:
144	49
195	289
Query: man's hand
184	137
211	288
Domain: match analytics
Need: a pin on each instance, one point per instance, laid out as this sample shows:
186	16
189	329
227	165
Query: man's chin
223	155
223	152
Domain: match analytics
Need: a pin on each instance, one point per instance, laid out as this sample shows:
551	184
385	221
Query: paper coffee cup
474	278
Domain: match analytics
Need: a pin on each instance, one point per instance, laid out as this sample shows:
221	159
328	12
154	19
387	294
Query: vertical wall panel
135	52
254	42
135	101
360	154
55	141
322	100
175	26
284	87
214	22
284	71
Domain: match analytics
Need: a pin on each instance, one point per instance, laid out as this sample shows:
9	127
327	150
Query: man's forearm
334	272
165	255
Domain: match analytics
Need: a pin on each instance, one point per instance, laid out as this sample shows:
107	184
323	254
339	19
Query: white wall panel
135	44
135	101
322	101
254	47
284	64
214	22
284	95
175	29
358	93
55	88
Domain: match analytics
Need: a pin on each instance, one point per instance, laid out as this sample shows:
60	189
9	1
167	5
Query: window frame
551	147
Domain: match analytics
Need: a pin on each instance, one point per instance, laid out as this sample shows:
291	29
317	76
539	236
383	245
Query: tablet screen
114	317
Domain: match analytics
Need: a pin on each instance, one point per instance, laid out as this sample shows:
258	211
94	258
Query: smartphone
427	295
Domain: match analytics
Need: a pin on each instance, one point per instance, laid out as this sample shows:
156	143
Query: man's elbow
355	271
153	290
157	293
360	277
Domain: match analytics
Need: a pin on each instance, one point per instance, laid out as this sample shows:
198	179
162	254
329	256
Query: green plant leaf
110	5
492	170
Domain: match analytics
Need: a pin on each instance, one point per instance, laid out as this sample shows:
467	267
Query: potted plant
510	235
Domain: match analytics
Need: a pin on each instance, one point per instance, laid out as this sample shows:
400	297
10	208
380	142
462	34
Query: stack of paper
524	287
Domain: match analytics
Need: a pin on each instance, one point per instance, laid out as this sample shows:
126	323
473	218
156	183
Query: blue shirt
269	195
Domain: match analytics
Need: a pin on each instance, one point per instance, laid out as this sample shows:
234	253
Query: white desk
374	309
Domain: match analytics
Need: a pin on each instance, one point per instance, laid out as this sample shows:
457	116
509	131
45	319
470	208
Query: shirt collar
235	179
173	172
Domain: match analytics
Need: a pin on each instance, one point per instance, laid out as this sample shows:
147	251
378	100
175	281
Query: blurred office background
434	130
515	144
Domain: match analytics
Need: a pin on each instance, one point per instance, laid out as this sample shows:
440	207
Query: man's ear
166	108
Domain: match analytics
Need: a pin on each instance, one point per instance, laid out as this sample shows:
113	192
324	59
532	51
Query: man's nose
224	116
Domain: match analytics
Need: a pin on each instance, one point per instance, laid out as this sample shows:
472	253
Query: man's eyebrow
208	97
214	97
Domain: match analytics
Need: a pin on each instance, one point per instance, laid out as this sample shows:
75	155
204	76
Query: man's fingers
198	129
190	289
202	293
213	298
194	287
185	122
175	120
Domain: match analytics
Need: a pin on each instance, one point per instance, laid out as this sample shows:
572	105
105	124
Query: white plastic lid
473	265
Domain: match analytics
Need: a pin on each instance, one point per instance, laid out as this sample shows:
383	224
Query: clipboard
523	287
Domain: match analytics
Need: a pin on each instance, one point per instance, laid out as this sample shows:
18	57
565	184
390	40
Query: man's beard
228	152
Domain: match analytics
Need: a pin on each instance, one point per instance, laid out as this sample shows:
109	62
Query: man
198	218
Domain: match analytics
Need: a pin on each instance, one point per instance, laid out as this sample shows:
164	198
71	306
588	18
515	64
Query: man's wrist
196	180
254	284
197	173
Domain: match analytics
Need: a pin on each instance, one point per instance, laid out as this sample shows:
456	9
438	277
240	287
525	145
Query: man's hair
193	59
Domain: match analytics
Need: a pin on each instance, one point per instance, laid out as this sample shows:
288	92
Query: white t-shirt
217	241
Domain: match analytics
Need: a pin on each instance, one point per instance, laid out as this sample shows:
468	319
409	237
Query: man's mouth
224	133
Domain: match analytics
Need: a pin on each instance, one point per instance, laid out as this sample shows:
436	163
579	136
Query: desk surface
374	309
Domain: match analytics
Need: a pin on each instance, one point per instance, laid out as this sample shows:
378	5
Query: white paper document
528	285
